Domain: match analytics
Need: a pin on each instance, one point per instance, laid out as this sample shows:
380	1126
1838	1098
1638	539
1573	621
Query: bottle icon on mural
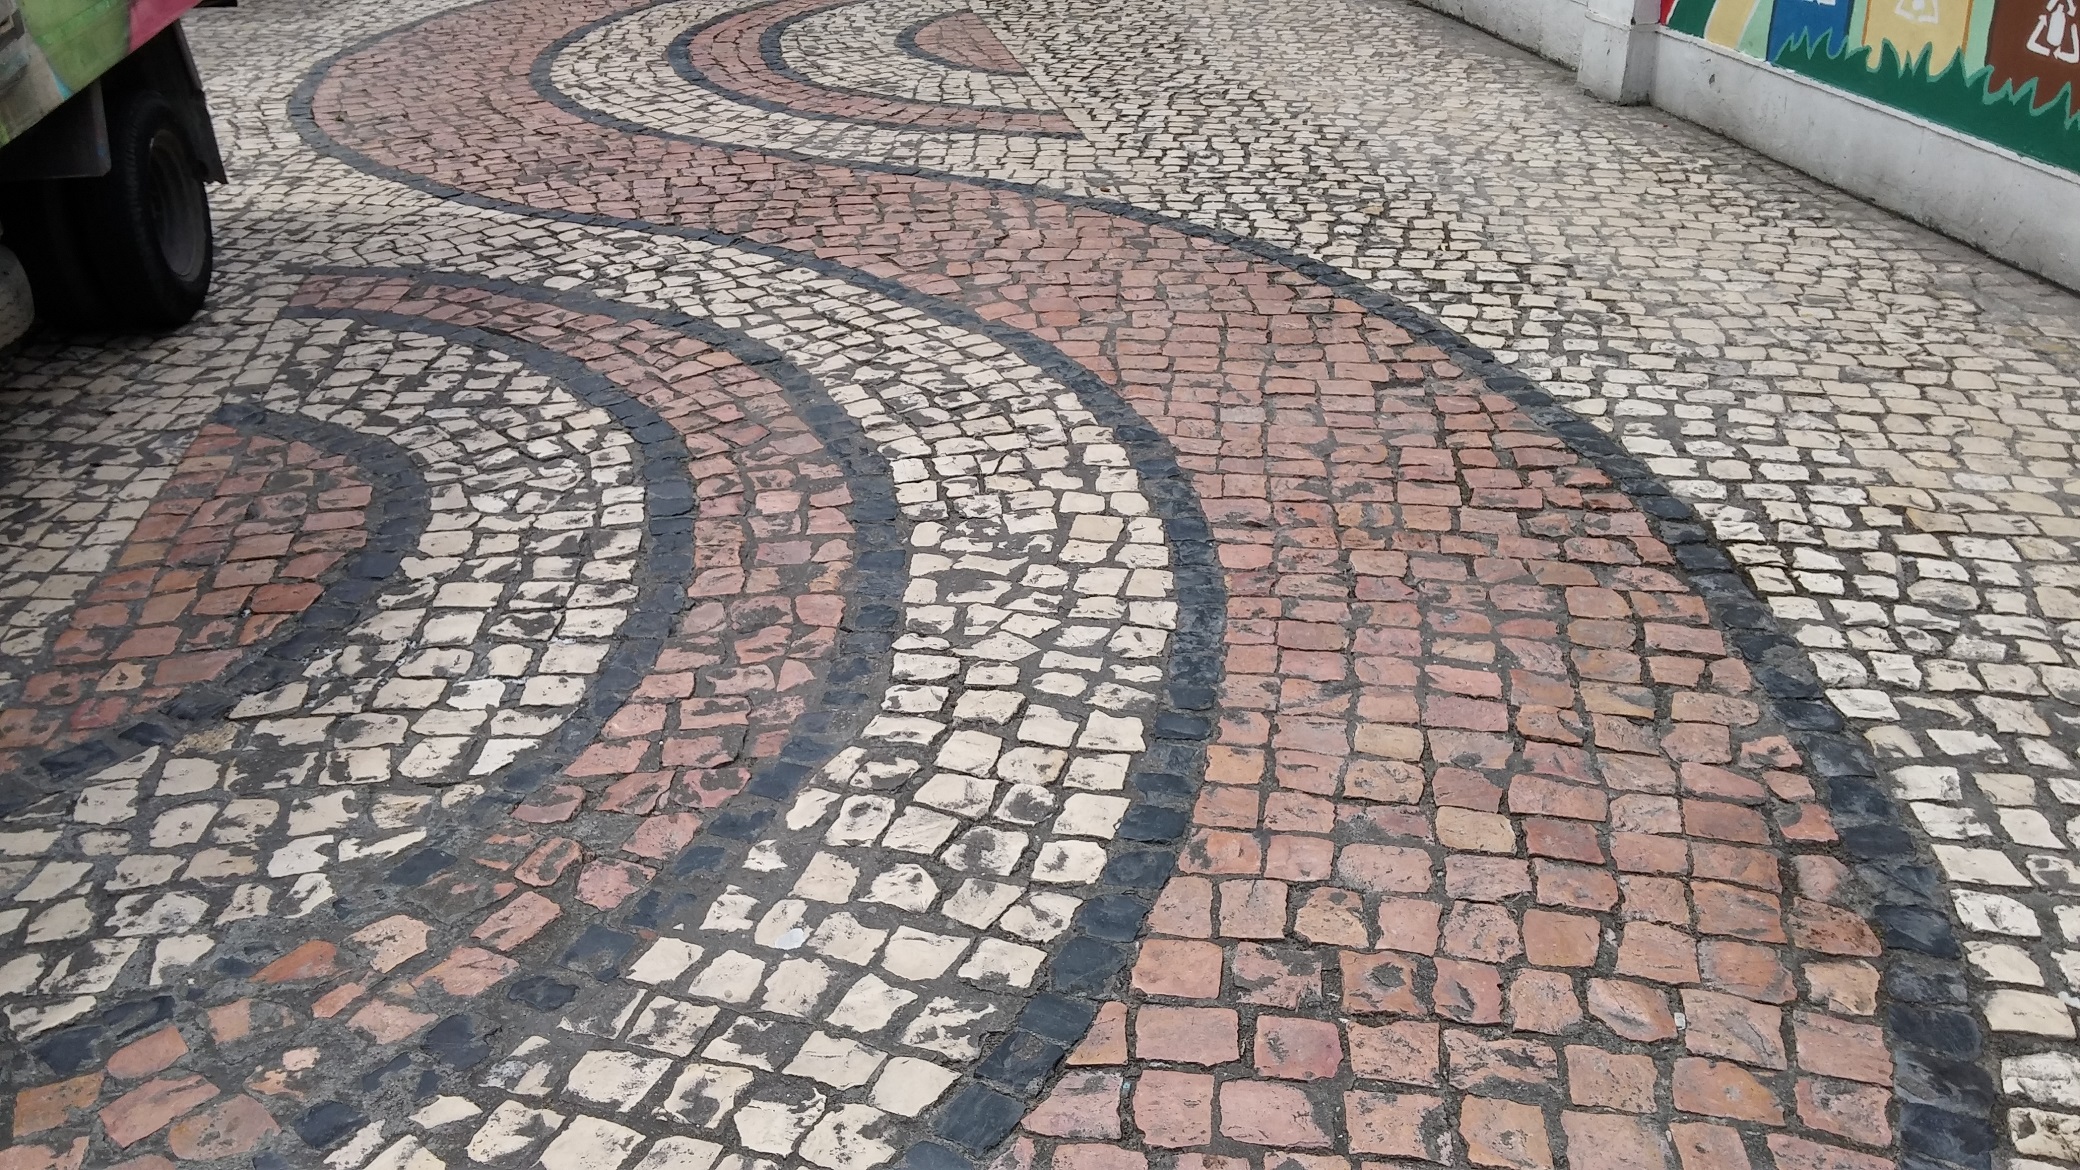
2057	34
2036	40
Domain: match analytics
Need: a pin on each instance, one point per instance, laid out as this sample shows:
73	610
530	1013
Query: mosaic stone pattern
236	543
1067	585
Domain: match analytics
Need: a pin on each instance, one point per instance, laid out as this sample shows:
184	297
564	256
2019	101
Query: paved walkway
1083	584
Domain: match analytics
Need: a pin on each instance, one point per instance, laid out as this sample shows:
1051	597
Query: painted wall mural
2005	71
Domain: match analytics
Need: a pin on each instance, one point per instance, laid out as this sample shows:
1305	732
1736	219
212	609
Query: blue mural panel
1814	20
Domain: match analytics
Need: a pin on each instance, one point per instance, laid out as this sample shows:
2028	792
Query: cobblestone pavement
1072	584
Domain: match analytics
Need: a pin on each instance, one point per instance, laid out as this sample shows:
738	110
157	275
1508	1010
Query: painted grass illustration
2012	117
2015	117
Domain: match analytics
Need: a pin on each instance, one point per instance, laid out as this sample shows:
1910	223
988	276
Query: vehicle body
105	145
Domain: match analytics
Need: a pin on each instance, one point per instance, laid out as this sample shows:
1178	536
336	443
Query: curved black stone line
680	55
880	568
667	501
398	514
1085	963
1945	1104
395	517
992	1097
906	40
860	659
772	44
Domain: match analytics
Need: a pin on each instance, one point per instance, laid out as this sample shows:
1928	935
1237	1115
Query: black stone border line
1946	1104
772	46
1141	858
668	506
860	656
1946	1097
1000	1088
880	536
399	507
1105	925
404	504
906	40
397	513
769	49
997	1092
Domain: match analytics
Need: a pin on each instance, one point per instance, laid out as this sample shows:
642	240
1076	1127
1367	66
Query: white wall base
1550	28
1617	54
2019	210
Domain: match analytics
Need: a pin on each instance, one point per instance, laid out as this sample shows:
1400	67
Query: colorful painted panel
2037	43
1735	22
1815	21
2005	71
51	49
1914	27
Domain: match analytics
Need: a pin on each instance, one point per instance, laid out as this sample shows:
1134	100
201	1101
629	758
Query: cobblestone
854	585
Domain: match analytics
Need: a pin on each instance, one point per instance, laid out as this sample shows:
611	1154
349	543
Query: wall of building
2006	72
1550	28
1963	115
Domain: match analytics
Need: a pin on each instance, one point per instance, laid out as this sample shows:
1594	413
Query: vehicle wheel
128	250
17	299
152	252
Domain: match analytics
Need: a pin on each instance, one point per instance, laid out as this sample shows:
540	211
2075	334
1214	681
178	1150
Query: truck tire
152	253
128	250
17	300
